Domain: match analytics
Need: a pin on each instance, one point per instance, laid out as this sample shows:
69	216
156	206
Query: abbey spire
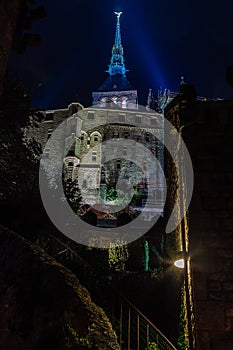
117	63
116	89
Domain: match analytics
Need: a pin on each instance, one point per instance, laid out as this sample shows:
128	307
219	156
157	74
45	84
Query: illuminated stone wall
178	240
123	99
208	135
84	158
211	225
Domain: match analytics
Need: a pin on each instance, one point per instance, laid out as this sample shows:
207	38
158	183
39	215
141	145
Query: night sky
162	40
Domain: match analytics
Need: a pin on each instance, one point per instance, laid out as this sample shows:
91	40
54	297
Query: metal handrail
171	346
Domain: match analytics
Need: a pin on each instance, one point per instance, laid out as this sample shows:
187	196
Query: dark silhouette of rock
40	300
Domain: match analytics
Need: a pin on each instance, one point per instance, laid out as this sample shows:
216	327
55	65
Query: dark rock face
40	299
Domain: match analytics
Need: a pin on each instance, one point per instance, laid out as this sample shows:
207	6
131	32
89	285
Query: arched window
83	137
115	134
94	155
95	138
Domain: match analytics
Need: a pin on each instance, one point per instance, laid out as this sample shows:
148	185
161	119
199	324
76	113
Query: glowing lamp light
179	263
179	259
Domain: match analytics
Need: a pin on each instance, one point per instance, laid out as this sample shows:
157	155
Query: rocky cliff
43	305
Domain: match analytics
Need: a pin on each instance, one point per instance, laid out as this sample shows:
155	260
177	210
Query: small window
96	139
115	134
125	151
46	152
90	115
126	135
147	137
94	156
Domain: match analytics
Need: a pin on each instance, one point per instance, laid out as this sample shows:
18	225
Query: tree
72	193
18	169
20	203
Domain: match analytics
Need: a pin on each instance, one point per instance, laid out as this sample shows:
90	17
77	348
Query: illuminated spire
117	63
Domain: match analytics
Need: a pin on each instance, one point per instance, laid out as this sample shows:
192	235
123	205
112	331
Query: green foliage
72	193
182	324
119	197
74	341
18	169
152	346
118	254
130	197
111	194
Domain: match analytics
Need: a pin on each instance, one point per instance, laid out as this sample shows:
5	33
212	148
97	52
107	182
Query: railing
133	329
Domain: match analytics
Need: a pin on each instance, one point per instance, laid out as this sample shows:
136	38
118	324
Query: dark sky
162	40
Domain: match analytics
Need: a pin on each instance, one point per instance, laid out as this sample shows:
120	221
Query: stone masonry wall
211	223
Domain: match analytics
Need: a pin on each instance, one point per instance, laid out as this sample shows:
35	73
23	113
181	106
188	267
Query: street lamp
179	260
179	263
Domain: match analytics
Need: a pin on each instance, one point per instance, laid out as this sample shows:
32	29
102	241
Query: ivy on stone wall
181	344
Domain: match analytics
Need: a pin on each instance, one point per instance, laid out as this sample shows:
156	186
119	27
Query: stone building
205	234
116	116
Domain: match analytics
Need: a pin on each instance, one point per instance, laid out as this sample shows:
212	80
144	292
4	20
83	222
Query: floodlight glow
179	263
